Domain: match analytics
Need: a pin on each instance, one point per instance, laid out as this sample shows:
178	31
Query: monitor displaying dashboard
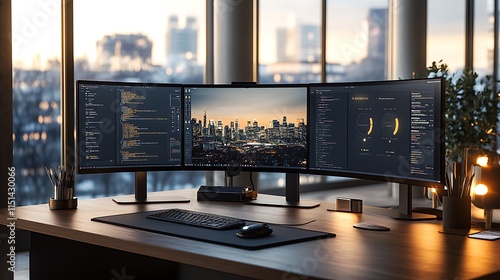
387	130
251	127
384	130
128	126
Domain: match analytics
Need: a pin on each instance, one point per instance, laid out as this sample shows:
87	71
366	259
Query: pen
62	180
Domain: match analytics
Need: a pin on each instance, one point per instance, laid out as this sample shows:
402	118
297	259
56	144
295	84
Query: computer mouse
254	231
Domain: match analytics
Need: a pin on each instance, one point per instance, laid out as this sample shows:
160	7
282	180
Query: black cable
284	224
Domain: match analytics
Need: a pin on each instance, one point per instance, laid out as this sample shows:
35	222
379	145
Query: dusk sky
245	104
36	27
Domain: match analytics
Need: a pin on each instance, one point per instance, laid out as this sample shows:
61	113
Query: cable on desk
251	180
300	224
286	224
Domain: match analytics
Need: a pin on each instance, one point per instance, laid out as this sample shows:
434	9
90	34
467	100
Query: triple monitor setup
390	131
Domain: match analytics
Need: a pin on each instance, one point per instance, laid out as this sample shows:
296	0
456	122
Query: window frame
67	72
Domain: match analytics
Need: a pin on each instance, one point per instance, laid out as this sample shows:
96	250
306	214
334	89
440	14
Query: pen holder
457	212
63	183
63	204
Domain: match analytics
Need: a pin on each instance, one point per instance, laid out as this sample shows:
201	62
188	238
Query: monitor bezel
121	168
439	134
278	169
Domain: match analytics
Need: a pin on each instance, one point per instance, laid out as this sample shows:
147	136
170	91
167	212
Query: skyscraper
182	42
377	33
300	44
204	117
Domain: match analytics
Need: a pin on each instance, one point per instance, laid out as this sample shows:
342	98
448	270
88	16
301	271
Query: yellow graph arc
371	127
396	126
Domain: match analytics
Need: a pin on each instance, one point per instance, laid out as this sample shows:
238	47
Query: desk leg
7	257
59	258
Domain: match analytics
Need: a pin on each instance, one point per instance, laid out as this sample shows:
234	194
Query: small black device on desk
223	193
371	226
254	231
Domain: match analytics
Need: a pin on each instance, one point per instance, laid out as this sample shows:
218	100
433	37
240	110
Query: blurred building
182	51
124	52
298	44
298	53
373	66
377	33
182	42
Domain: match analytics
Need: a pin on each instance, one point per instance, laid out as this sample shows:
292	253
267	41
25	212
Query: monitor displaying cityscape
381	130
389	130
257	127
128	126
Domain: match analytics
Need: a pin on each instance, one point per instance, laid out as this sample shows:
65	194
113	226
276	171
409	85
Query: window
36	81
446	33
164	41
289	41
356	40
156	41
483	37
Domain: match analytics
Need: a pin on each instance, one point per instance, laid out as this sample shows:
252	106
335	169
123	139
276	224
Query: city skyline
36	28
248	104
242	124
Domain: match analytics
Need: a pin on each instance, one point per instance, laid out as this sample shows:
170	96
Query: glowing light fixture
482	161
481	189
486	190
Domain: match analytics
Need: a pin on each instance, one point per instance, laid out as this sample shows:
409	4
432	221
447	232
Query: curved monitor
247	127
385	130
128	126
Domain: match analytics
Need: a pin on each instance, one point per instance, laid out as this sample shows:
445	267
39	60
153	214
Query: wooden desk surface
410	250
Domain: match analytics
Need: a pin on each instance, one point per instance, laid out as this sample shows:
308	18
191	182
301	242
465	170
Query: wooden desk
410	250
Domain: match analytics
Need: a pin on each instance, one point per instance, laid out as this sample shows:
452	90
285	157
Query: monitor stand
141	197
405	210
292	196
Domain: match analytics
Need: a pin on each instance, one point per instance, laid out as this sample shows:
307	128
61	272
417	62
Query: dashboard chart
376	128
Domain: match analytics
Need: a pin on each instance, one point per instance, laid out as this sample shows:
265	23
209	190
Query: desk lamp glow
486	192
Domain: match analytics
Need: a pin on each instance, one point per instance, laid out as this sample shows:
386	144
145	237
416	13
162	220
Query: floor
22	266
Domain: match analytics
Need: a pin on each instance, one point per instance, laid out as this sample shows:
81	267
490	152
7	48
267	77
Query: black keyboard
199	219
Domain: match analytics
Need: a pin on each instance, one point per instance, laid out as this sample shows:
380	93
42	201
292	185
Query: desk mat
281	234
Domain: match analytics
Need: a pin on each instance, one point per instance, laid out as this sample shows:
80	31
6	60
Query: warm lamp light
482	161
481	189
486	193
435	198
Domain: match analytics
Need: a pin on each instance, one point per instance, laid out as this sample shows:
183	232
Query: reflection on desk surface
382	195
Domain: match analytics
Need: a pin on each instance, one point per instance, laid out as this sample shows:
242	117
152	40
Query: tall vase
457	212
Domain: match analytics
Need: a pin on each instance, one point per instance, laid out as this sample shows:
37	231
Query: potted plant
471	111
471	119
